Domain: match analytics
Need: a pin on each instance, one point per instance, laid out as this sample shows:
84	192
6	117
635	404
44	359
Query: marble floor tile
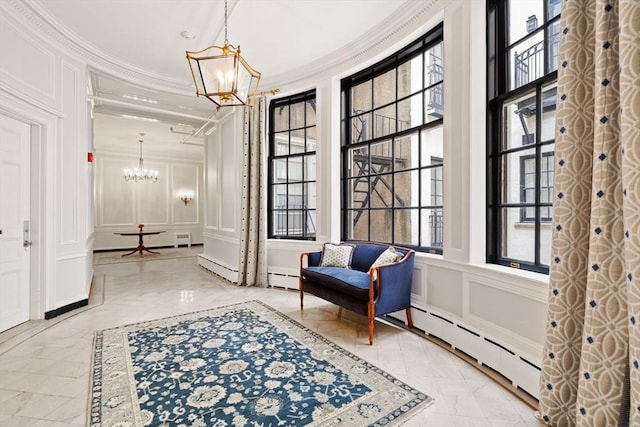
45	365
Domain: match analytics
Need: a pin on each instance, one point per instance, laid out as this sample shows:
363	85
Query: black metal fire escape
366	166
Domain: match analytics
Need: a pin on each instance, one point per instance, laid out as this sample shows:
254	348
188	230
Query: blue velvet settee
373	280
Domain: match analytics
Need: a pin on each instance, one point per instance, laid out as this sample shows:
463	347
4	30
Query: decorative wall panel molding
34	76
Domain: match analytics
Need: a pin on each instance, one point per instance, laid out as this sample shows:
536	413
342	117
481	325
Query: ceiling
140	80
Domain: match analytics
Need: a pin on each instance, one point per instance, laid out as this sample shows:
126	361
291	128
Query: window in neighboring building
528	187
392	148
522	63
292	167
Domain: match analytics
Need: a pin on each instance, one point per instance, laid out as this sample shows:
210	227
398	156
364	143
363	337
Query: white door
14	216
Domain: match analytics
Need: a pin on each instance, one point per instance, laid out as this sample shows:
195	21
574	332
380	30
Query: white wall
492	313
223	165
46	88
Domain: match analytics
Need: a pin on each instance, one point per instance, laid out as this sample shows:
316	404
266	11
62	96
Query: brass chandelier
222	75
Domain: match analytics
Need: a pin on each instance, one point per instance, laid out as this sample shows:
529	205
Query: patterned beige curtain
253	262
590	372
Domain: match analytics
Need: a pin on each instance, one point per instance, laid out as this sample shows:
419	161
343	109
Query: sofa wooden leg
371	316
301	294
409	319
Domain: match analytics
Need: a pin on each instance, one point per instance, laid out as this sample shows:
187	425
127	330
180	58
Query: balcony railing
297	221
529	65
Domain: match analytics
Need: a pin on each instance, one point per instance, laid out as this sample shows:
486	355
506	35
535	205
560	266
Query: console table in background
141	247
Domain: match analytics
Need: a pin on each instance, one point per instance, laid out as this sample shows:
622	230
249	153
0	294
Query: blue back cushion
365	254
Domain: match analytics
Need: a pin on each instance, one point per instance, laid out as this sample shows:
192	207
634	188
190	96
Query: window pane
519	121
294	198
434	73
358	193
281	141
406	152
436	195
384	89
358	162
297	141
280	118
381	221
432	145
545	243
359	222
311	139
311	112
432	228
310	195
381	156
406	227
361	128
527	60
518	239
434	103
548	132
295	222
295	169
279	196
280	170
384	121
309	167
524	17
514	175
311	223
361	97
279	222
410	77
297	112
553	37
410	112
381	191
406	186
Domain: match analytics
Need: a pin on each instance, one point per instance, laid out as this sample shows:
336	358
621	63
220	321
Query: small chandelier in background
222	75
140	173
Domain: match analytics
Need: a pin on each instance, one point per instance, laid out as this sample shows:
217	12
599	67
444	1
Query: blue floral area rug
238	365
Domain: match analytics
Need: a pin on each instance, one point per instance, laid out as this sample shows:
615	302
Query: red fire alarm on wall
90	157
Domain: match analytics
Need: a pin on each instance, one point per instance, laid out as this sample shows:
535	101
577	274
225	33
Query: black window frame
431	90
499	93
273	208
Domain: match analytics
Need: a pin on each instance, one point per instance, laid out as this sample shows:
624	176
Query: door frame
43	128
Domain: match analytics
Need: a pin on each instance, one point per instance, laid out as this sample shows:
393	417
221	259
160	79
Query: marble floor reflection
45	365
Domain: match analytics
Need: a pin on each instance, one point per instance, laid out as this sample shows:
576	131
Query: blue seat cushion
343	280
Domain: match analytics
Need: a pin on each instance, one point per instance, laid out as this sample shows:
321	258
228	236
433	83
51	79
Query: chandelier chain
226	39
